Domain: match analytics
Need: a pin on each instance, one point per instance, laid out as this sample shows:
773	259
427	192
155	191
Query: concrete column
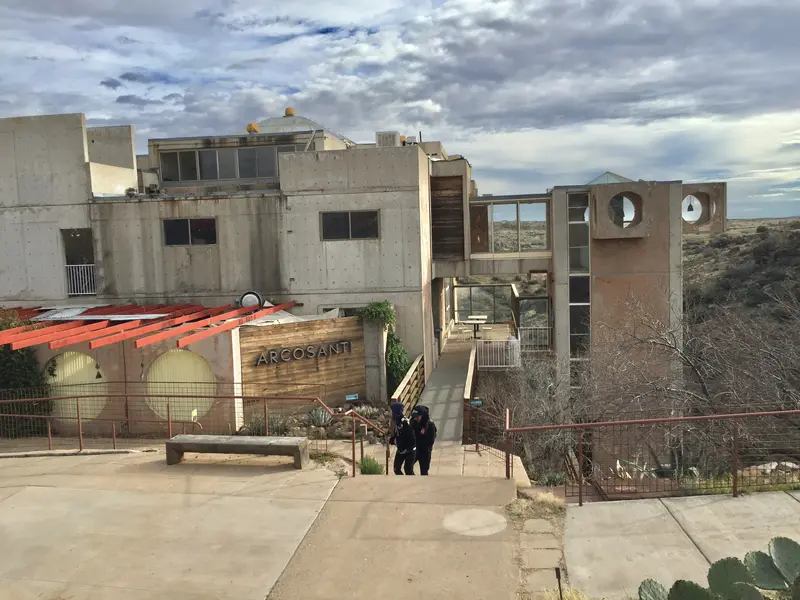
560	247
375	362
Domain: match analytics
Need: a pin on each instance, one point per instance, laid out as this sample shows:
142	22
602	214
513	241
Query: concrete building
297	212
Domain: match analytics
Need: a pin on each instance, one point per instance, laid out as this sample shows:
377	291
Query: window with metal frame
190	232
350	225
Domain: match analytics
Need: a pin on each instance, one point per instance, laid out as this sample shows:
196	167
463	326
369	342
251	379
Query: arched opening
76	374
180	379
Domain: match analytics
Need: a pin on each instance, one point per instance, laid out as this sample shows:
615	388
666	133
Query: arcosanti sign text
273	357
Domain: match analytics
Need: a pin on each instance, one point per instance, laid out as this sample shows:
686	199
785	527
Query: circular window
625	210
76	374
185	380
691	209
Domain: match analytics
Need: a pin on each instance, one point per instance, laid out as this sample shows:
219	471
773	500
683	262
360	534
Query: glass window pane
247	163
176	232
579	319
267	161
208	164
169	166
203	231
502	304
532	226
483	301
336	226
504	228
578	260
463	303
364	225
578	345
578	200
188	162
578	235
479	227
534	312
227	163
579	290
578	215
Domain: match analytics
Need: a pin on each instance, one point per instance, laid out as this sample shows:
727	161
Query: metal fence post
49	435
169	418
477	426
114	435
735	459
580	467
80	425
266	416
353	434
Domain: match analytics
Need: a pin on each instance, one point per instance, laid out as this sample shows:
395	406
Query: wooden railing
410	389
469	392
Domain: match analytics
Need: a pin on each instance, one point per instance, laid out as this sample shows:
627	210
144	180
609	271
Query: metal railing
81	280
726	453
534	339
498	354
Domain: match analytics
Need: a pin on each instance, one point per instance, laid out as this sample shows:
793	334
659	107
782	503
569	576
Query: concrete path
610	547
128	527
397	538
444	392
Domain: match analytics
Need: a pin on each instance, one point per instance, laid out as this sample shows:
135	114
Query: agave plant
320	417
732	579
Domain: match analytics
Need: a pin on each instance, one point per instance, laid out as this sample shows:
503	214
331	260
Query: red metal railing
683	455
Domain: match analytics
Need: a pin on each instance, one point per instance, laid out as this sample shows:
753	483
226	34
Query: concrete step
454	490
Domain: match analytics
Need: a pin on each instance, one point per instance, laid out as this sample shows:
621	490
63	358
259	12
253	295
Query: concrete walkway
610	547
127	527
444	392
397	538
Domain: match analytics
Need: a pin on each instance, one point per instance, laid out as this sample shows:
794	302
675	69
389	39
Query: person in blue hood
403	437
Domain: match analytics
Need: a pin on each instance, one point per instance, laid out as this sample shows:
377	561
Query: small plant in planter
732	579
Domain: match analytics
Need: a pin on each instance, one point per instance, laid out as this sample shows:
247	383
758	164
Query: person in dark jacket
403	437
425	432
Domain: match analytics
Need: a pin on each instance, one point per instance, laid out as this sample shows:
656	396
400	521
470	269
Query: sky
533	93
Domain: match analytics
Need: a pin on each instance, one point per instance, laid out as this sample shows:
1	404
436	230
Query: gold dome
252	128
289	112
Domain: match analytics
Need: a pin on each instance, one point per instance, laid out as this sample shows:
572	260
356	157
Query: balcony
498	354
81	280
534	339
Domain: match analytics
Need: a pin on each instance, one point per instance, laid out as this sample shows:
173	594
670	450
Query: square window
267	159
335	226
176	232
247	163
579	319
169	166
208	164
203	232
578	260
578	345
580	200
579	290
188	161
364	225
227	163
578	235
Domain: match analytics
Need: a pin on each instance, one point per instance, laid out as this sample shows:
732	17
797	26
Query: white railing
498	354
534	339
81	280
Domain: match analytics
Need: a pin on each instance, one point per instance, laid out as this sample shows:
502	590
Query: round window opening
692	209
74	374
625	210
183	379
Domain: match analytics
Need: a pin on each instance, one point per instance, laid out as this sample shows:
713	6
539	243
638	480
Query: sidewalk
444	392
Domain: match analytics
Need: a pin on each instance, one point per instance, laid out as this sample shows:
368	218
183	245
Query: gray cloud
135	100
111	83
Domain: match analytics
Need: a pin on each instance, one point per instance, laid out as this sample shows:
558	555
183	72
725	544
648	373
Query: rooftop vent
387	139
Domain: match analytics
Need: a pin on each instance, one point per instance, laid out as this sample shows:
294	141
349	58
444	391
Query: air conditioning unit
412	139
387	139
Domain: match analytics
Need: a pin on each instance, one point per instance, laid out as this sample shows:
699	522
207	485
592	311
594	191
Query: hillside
743	266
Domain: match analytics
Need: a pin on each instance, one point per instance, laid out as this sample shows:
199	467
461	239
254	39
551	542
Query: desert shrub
255	425
370	466
762	229
320	417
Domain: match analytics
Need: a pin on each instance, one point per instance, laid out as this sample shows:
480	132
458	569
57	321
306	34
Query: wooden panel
337	374
410	389
447	217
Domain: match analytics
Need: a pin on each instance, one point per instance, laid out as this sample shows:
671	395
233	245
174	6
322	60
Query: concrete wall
395	267
112	181
112	146
135	265
44	187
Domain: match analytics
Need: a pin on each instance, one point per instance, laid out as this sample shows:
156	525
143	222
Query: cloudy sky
535	93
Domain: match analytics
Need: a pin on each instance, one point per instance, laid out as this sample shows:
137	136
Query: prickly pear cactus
724	573
652	590
765	574
689	590
785	554
746	591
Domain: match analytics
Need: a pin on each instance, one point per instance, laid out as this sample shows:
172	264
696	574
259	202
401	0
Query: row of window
348	225
222	163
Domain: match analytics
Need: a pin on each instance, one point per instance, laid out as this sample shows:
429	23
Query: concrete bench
296	447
